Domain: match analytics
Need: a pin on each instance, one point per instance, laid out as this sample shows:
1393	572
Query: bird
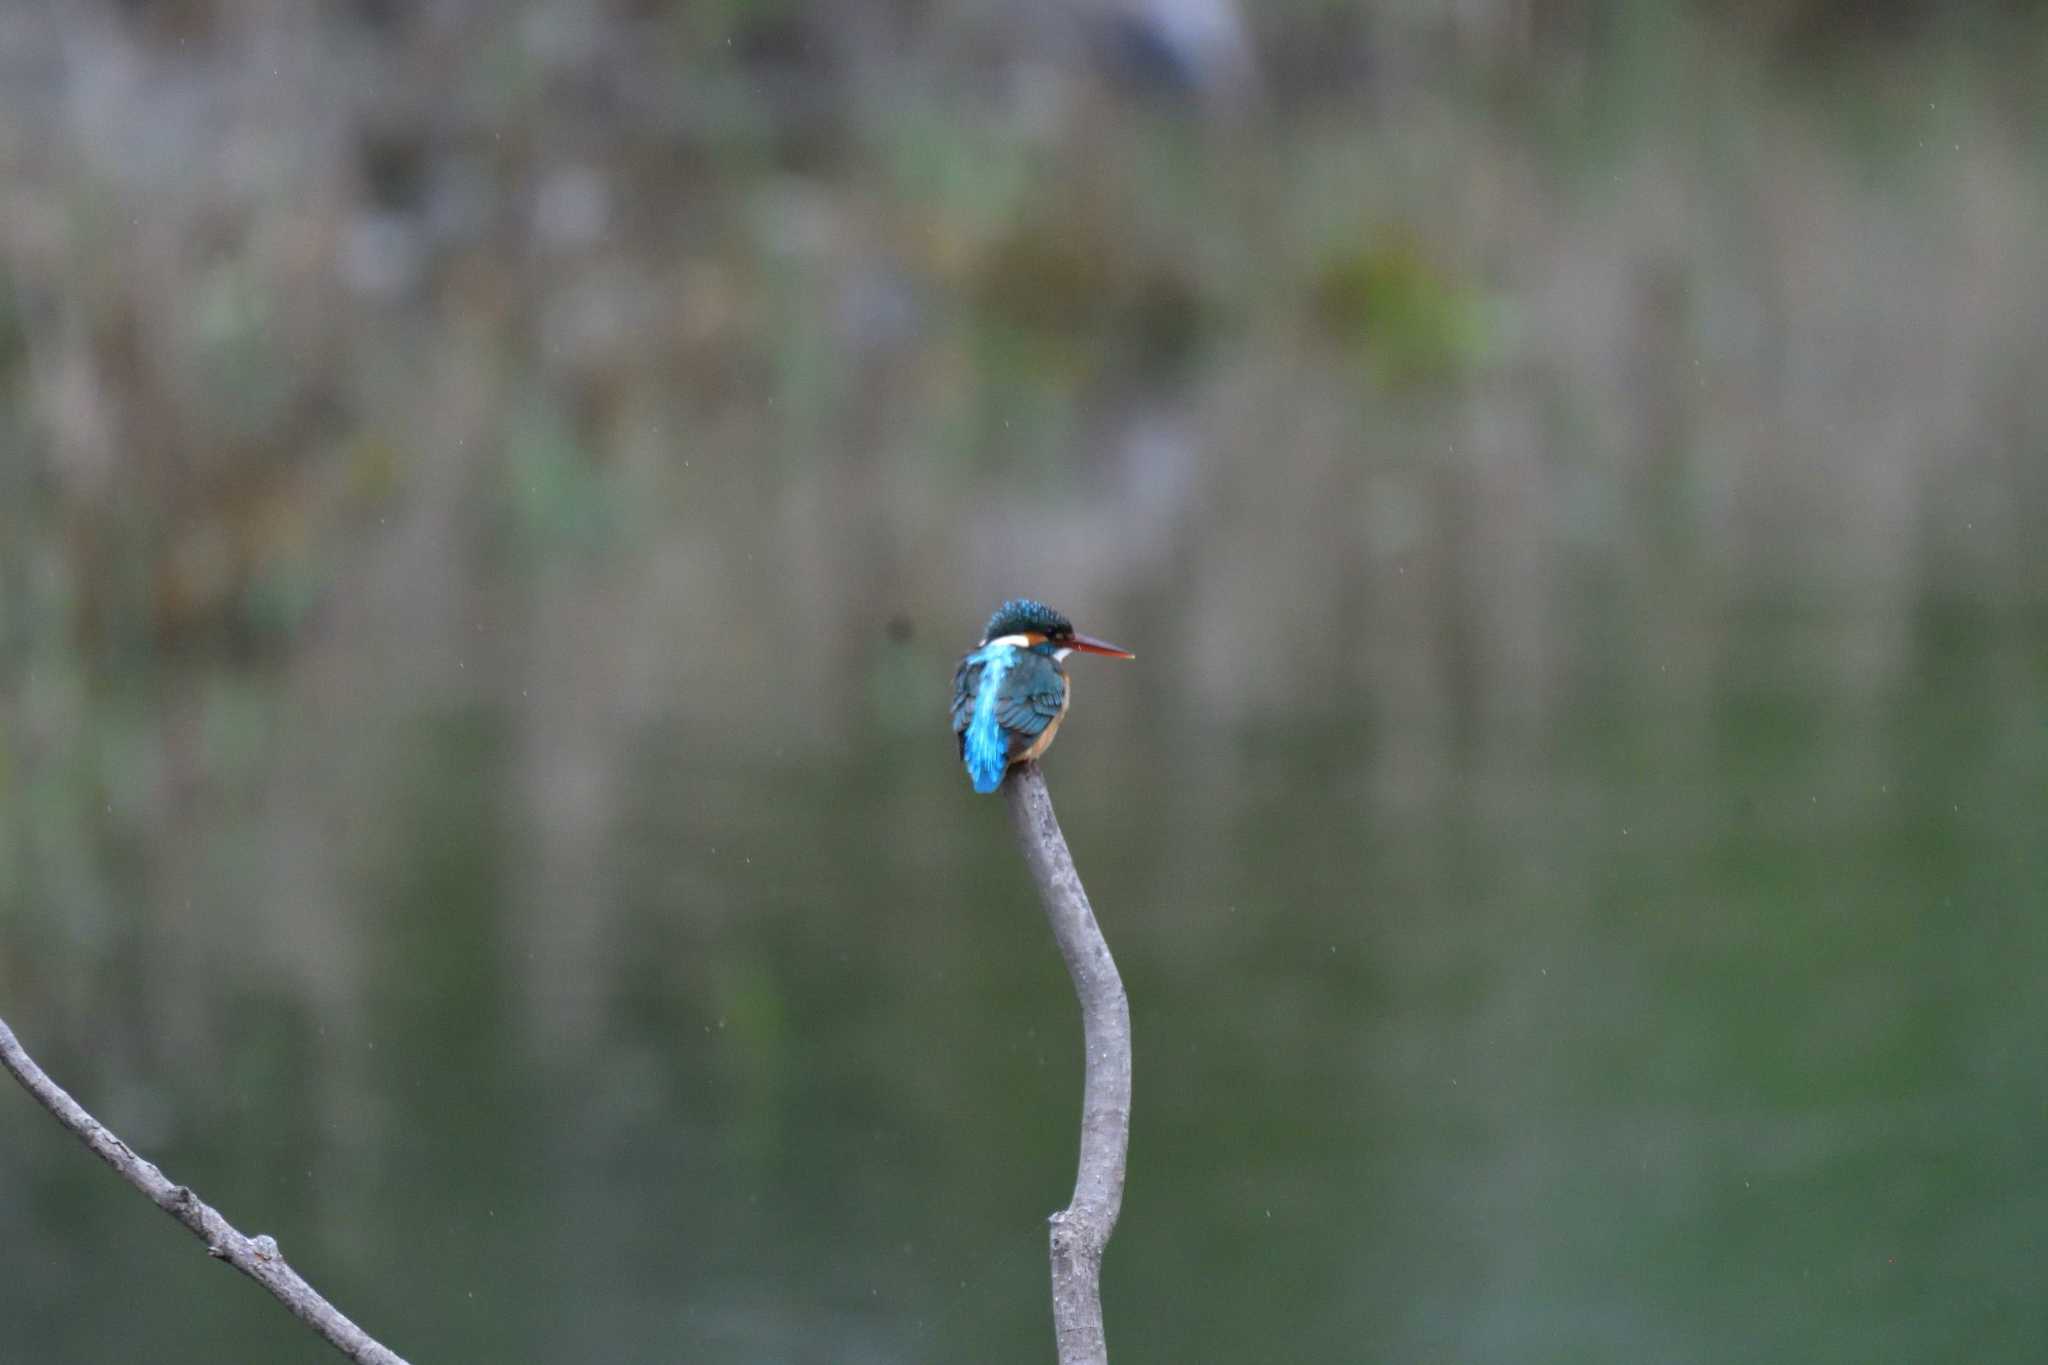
1010	692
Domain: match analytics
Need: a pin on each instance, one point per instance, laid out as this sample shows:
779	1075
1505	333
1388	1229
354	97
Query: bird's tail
985	770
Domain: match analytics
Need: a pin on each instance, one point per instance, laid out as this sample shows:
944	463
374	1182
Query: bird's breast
1043	740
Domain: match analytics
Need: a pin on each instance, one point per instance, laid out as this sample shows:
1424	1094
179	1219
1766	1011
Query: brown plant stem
1081	1231
257	1257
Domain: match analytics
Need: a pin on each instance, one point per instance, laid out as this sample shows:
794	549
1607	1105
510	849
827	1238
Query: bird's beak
1088	644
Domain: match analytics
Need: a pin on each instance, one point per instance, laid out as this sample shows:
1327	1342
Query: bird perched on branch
1011	692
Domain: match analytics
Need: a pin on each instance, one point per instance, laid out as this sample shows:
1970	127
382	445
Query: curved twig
257	1257
1082	1229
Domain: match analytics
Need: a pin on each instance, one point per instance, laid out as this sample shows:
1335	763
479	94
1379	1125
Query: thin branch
256	1257
1082	1229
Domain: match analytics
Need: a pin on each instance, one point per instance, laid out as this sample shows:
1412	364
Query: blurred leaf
1413	319
559	497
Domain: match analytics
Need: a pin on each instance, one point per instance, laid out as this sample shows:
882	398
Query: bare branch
1081	1231
256	1257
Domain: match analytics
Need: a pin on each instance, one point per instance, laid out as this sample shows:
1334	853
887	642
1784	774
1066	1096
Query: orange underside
1043	739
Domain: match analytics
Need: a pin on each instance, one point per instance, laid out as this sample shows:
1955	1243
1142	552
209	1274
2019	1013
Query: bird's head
1033	625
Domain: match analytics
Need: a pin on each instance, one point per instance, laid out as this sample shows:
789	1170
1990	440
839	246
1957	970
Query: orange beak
1088	644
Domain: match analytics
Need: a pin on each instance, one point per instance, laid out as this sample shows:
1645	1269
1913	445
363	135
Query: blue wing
1031	699
965	680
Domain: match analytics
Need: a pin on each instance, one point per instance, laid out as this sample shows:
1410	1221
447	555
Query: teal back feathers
984	748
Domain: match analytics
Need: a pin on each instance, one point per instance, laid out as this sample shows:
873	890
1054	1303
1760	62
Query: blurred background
491	496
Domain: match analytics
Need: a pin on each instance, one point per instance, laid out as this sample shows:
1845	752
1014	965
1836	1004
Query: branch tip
204	1222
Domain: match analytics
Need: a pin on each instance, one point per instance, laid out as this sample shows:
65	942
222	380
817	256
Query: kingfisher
1011	691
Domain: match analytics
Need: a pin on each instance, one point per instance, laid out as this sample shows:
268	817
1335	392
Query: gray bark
1081	1231
257	1257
